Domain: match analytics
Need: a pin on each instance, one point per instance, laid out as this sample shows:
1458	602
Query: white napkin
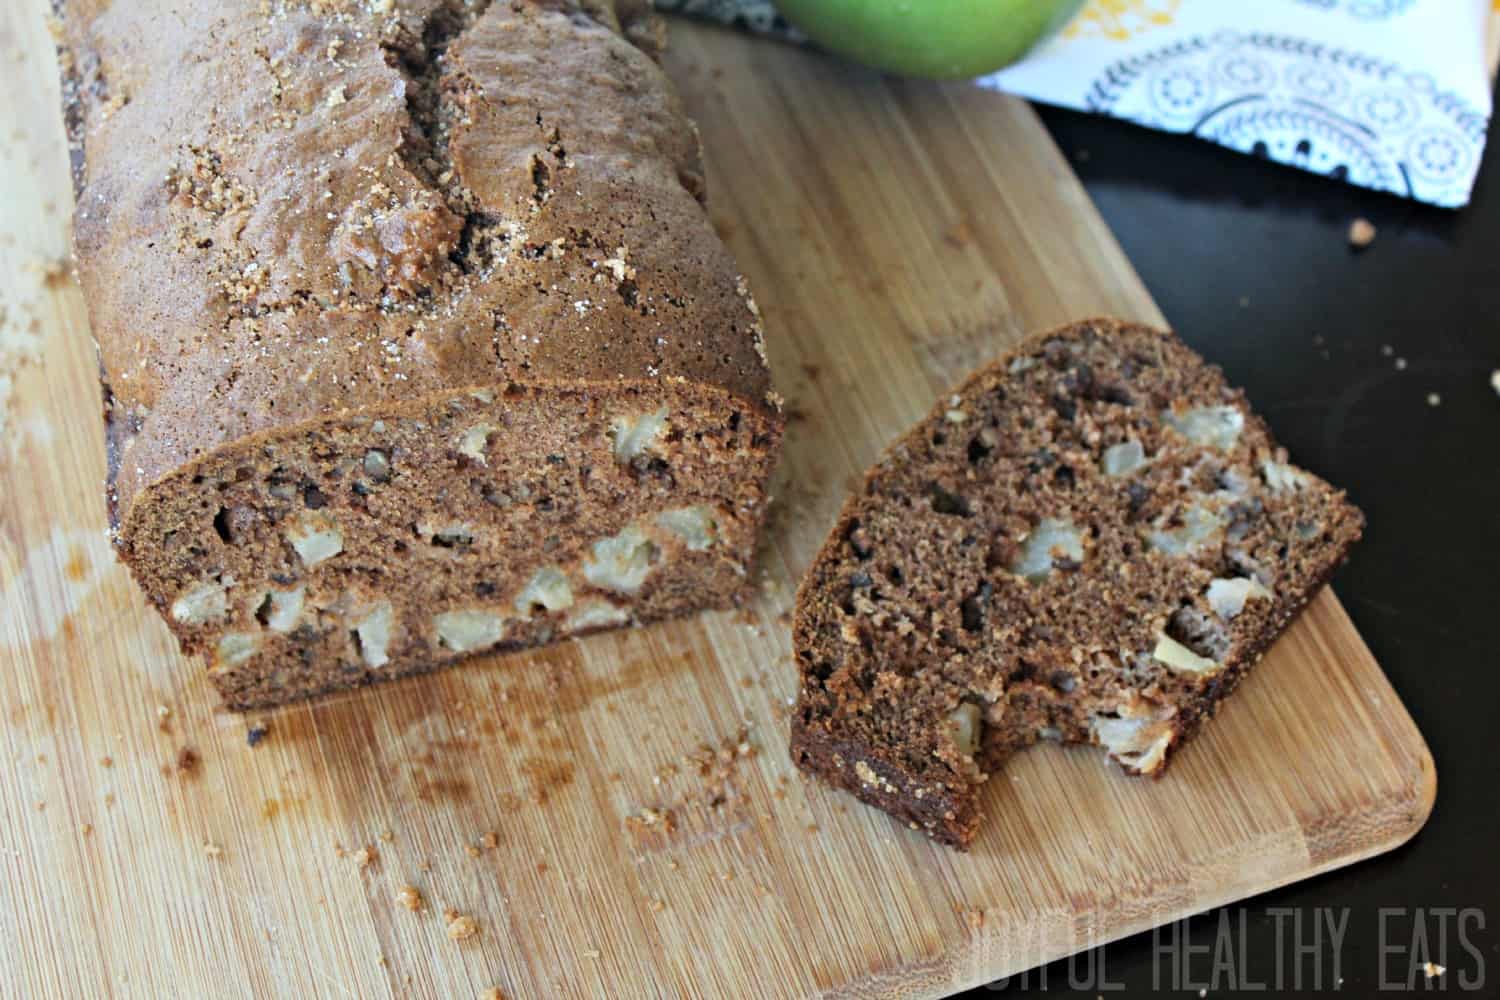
1392	95
1386	94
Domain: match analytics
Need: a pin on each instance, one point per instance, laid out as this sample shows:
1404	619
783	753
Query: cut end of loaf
390	543
1090	541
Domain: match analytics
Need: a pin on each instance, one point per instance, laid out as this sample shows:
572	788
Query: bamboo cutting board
896	234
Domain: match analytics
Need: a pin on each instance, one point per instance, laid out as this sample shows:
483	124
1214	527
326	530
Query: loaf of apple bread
415	338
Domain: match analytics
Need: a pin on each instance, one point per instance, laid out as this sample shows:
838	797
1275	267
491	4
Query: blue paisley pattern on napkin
1371	10
1332	112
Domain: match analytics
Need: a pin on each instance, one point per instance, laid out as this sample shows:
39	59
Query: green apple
937	38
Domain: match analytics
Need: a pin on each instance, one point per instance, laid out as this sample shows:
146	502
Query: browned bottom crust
945	809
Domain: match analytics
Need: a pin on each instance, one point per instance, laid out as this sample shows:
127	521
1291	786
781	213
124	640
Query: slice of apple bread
1091	541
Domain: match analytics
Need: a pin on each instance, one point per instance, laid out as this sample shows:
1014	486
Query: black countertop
1374	369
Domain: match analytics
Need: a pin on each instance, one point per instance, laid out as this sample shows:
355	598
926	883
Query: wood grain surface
619	814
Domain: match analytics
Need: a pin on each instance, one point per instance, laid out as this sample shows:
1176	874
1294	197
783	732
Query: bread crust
261	247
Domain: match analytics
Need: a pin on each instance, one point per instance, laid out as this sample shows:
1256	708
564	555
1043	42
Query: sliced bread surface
1089	541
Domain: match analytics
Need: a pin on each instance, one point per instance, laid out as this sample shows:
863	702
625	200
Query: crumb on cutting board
461	926
187	761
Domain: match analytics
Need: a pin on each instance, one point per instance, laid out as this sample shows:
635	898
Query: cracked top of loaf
290	210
